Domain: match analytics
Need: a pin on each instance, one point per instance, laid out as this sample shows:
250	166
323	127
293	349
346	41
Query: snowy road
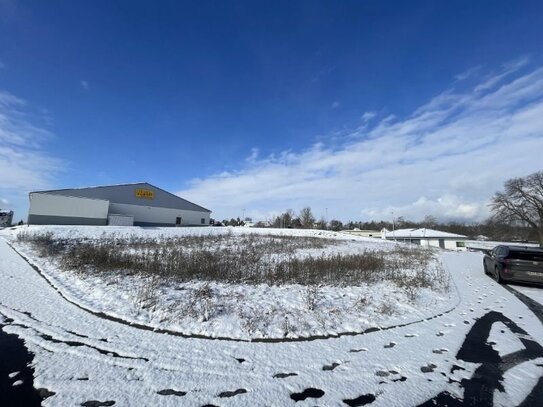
80	357
535	293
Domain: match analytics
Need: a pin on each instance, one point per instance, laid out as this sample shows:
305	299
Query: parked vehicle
515	263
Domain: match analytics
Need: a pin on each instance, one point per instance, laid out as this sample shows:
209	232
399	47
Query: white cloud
7	99
85	85
335	104
367	116
507	69
447	206
24	165
467	74
253	157
446	159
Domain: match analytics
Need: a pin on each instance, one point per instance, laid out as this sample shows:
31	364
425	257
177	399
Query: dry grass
249	258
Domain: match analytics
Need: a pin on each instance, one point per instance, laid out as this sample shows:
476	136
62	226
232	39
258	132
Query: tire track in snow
533	305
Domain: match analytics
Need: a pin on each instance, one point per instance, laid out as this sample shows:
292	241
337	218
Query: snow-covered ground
82	357
98	232
240	311
535	293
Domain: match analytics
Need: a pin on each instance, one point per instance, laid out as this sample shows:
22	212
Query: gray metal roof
125	194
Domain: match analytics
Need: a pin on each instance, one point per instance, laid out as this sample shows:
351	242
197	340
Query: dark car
515	263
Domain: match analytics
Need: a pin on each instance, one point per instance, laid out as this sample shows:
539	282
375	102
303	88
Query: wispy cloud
508	69
321	74
24	164
335	104
367	116
85	85
467	73
445	159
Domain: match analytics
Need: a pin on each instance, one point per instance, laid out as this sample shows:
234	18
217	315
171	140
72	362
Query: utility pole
326	219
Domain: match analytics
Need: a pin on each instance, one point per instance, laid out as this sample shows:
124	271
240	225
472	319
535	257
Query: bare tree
320	224
336	225
429	222
285	219
307	218
296	223
521	202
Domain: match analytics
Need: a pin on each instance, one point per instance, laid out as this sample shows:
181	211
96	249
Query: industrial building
427	237
139	204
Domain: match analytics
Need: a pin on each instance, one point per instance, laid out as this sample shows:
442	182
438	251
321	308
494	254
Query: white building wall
432	242
364	233
451	245
150	214
120	220
67	206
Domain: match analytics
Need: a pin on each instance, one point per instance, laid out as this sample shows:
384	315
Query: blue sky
361	107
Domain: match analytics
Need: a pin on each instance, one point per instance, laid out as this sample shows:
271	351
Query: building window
460	244
178	220
203	221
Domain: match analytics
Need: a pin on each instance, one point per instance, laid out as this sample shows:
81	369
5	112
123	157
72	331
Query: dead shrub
386	308
311	297
248	258
147	296
202	302
46	244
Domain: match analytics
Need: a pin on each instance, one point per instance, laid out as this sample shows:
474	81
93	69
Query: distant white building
427	237
363	233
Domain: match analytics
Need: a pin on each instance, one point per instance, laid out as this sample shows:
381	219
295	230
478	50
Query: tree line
517	215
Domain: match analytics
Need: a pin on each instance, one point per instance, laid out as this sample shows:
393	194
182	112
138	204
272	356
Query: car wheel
497	276
484	267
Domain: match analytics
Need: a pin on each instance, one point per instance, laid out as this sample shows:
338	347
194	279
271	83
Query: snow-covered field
240	311
491	335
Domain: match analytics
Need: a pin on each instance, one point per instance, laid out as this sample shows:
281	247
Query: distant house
427	237
6	217
363	233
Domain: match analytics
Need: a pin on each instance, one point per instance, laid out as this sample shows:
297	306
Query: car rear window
530	256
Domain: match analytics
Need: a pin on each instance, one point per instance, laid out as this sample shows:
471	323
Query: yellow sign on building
145	193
